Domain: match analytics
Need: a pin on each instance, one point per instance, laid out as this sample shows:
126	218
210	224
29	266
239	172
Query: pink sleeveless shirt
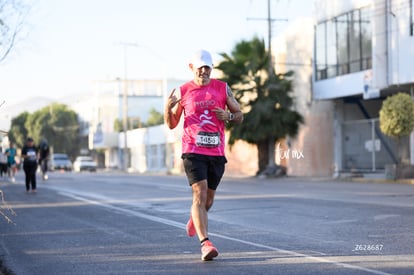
203	132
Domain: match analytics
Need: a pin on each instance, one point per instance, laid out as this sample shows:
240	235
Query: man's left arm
235	115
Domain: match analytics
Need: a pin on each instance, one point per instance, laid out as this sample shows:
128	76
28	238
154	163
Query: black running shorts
202	167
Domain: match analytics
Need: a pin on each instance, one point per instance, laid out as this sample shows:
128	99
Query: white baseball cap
202	58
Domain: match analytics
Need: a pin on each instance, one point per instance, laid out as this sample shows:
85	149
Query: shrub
396	116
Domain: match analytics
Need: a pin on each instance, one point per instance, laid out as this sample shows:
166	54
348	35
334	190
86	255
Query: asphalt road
101	223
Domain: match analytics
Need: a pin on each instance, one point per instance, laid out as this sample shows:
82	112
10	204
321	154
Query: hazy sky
71	43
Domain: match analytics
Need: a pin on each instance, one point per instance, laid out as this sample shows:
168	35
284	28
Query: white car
59	162
84	163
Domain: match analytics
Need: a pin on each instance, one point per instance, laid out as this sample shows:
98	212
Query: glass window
331	48
321	51
366	39
343	44
355	38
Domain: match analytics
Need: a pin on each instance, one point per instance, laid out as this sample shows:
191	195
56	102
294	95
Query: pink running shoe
208	251
190	227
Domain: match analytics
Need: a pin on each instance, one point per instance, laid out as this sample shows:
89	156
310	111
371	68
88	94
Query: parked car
84	163
59	161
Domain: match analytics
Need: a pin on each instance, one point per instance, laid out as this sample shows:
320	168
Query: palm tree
265	98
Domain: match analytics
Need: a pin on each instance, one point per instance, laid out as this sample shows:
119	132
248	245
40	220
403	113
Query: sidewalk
374	178
383	180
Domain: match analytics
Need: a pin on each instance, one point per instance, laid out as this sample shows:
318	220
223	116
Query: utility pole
269	37
271	166
125	81
125	103
269	20
125	109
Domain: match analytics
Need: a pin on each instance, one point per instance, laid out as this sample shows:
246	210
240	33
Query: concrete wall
311	152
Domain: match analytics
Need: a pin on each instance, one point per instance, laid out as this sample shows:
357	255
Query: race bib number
31	155
205	139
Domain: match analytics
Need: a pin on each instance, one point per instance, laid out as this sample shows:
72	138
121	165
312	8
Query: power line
269	20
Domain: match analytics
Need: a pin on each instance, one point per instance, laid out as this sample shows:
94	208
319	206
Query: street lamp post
125	111
125	96
125	103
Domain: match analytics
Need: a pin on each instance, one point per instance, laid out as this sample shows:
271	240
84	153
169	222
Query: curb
373	180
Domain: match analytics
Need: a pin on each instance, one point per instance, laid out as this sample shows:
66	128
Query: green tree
56	123
18	131
155	118
396	118
132	123
265	98
118	127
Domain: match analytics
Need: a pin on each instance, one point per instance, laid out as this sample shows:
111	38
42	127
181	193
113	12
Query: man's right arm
173	109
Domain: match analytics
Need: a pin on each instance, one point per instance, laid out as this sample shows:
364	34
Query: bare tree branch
8	48
12	19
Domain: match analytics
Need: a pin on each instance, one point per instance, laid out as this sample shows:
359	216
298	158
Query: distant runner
44	157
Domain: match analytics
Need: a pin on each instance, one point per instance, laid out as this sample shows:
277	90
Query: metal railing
365	148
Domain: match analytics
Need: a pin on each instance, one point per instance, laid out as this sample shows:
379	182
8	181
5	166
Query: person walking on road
44	157
30	156
11	161
207	104
3	163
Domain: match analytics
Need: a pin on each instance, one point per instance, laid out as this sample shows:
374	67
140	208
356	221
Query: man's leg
199	209
202	201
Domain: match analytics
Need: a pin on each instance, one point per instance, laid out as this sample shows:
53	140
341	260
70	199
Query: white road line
83	197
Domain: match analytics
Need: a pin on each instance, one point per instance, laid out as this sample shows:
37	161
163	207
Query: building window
355	48
366	40
321	52
343	44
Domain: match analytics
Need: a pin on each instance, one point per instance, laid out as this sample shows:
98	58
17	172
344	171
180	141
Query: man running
206	104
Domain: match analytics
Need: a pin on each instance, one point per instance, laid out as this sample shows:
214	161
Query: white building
99	112
310	153
363	53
